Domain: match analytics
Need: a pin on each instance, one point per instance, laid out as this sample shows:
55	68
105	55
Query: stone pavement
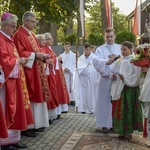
54	135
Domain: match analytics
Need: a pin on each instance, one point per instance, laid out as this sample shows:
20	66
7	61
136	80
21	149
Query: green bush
95	39
125	36
71	38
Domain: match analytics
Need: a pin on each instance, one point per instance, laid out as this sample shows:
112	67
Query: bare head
41	40
93	48
9	23
126	48
109	35
67	47
87	49
48	38
29	20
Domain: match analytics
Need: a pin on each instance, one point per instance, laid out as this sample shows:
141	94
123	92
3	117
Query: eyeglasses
32	21
12	26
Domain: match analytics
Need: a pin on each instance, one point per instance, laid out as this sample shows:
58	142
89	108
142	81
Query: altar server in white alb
68	64
103	63
86	82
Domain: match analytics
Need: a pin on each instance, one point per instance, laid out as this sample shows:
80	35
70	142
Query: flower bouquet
141	57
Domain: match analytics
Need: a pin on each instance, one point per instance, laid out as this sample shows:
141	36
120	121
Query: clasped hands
66	70
114	77
42	56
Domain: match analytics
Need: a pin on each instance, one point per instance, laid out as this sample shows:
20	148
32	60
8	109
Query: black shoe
50	122
83	112
39	130
8	147
20	145
64	112
58	117
72	103
28	133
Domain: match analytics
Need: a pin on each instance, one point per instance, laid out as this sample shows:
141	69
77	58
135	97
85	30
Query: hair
9	19
92	46
67	43
27	14
107	30
39	36
47	35
128	44
86	45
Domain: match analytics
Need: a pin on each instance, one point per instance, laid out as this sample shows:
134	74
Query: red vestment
63	95
35	77
3	126
52	82
14	107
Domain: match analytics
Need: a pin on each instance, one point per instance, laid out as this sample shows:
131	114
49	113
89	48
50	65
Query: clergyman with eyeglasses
36	80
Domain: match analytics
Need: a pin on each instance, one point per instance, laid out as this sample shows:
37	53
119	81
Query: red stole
60	81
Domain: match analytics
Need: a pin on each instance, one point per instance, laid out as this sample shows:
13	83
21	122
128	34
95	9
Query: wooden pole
76	108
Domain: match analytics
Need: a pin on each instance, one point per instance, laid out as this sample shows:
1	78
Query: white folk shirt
131	75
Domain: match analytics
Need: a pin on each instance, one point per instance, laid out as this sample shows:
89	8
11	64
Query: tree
94	21
125	36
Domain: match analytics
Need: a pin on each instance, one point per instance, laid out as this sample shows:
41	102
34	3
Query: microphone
117	57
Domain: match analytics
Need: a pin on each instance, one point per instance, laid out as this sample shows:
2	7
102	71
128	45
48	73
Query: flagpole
112	22
140	21
76	108
82	20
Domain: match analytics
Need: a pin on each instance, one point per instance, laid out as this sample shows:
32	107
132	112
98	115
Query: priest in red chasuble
36	80
63	97
11	93
51	77
3	126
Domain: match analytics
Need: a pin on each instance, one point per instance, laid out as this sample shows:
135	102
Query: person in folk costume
145	99
51	77
36	80
63	96
68	65
105	54
3	129
85	86
127	110
14	104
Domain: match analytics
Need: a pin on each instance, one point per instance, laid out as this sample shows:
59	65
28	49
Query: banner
137	18
82	16
109	13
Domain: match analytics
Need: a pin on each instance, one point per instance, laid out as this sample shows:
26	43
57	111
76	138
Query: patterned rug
99	141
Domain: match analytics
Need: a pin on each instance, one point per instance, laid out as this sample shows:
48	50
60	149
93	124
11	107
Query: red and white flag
82	16
137	18
109	13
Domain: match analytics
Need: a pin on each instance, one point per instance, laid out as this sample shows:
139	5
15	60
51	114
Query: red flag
137	19
108	13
